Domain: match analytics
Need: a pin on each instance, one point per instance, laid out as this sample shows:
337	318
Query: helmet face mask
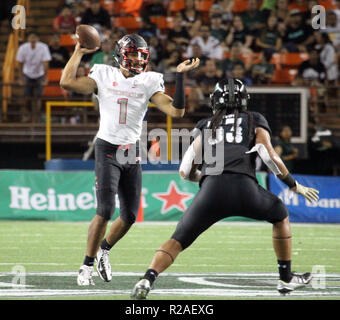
132	54
229	94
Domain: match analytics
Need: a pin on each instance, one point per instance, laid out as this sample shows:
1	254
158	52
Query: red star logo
173	198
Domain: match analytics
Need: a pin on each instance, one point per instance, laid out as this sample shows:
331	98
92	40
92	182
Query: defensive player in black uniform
232	191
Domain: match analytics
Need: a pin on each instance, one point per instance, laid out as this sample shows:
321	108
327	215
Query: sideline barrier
325	210
70	195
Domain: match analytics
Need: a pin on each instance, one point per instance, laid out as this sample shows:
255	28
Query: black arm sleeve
179	98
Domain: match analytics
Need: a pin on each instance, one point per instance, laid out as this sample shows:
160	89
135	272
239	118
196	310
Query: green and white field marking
173	285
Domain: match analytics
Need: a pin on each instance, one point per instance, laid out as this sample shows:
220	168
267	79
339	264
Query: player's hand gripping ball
88	37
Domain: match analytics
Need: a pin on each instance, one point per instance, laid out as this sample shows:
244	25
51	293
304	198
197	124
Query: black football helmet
132	53
230	94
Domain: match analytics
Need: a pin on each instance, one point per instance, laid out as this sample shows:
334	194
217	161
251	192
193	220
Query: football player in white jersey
123	94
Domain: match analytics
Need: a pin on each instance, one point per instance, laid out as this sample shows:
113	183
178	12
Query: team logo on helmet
132	54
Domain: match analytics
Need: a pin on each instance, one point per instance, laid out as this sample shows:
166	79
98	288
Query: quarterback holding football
123	94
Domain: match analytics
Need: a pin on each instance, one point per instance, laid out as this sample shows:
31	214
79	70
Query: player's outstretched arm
175	107
263	137
68	80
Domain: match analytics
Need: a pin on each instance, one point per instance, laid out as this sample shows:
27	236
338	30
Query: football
88	36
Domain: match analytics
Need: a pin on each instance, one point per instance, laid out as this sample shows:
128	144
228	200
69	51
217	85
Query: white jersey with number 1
123	102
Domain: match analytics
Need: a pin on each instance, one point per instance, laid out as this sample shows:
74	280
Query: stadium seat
117	8
176	5
127	22
239	6
302	7
53	91
162	22
292	59
328	4
203	5
67	40
54	75
284	75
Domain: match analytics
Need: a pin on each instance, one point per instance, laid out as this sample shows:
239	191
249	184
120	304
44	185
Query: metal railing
9	62
67	104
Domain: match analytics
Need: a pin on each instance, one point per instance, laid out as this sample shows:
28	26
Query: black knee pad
106	199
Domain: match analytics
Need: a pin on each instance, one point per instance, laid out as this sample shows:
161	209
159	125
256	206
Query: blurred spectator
268	6
172	57
285	149
209	45
6	11
327	55
332	29
115	34
253	19
311	72
79	7
217	29
227	64
33	58
65	23
223	8
197	53
191	17
269	38
97	16
239	72
281	11
324	149
148	29
106	54
298	36
239	33
153	9
199	95
171	64
263	71
59	54
156	50
309	15
179	33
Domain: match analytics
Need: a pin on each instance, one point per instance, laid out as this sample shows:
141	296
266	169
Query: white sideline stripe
145	265
193	249
181	274
175	292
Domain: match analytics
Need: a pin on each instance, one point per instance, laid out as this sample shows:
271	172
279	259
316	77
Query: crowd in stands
240	43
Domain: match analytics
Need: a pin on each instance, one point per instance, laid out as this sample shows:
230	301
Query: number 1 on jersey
123	102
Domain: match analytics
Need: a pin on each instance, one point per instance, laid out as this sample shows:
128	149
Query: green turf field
230	261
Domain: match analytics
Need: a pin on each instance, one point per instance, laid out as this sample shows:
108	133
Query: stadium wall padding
70	195
325	210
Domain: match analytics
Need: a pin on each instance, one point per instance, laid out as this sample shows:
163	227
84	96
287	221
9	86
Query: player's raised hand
188	65
82	50
309	193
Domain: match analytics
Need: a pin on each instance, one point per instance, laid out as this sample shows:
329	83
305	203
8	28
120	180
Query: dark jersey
235	158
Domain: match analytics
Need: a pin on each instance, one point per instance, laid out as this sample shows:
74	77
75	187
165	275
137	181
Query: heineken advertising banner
71	196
